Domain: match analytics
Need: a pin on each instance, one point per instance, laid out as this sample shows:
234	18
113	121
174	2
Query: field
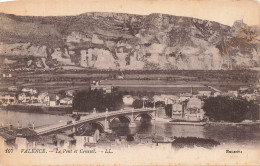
158	82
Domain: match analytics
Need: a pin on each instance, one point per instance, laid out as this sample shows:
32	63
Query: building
66	101
13	88
243	89
24	97
167	99
190	110
21	143
249	97
105	88
7	75
6	139
177	111
53	100
194	110
29	90
34	99
160	112
8	98
120	76
185	96
204	93
194	114
232	93
64	141
44	98
70	93
88	138
216	94
194	102
25	138
48	99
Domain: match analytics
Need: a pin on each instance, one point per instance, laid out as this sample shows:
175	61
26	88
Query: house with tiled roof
8	98
24	97
66	101
30	90
44	98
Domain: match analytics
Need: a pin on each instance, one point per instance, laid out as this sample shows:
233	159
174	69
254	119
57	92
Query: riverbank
183	122
163	119
233	123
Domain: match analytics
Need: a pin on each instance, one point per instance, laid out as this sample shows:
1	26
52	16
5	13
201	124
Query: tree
159	104
254	111
138	104
230	109
62	93
86	101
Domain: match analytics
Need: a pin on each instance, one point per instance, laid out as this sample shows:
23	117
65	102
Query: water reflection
161	128
249	134
222	133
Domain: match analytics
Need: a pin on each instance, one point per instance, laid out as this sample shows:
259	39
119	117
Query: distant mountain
126	41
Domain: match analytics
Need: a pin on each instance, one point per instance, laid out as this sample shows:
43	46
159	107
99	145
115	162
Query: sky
223	11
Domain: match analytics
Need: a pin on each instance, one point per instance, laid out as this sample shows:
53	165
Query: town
179	104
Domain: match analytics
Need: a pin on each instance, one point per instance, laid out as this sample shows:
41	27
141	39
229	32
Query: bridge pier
74	129
106	126
132	123
154	114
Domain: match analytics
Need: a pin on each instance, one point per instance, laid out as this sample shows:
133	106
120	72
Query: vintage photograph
119	82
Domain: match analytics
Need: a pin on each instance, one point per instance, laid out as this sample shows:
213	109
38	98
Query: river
24	118
249	134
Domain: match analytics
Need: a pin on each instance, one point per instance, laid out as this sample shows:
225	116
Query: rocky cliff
126	41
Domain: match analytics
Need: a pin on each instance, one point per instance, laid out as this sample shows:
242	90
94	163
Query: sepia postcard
130	82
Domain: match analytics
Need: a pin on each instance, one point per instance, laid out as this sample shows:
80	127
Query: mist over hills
127	41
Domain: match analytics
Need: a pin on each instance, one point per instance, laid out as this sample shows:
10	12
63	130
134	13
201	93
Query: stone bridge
102	120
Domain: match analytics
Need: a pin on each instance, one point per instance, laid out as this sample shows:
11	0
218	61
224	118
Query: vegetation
138	104
190	142
62	93
230	109
86	101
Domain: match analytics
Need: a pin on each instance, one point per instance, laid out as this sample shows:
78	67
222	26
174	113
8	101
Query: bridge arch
122	118
144	115
97	125
94	125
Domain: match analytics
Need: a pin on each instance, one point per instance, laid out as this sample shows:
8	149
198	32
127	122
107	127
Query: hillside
126	41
